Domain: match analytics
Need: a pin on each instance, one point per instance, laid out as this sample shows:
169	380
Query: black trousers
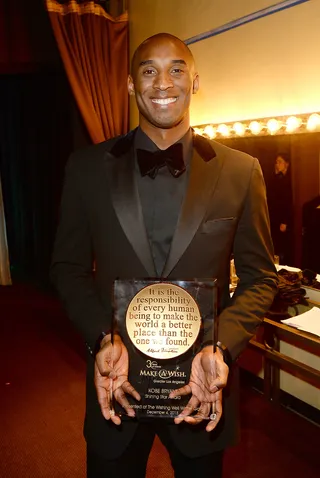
134	460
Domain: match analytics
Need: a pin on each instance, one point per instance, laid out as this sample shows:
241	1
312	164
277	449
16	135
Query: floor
42	375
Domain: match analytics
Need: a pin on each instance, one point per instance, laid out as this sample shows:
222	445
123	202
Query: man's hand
283	227
111	378
209	374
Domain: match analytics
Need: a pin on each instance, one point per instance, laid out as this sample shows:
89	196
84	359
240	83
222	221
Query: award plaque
163	325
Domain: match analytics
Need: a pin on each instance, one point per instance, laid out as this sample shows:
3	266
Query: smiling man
163	80
163	202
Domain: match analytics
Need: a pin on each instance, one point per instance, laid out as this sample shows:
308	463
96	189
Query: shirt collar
142	141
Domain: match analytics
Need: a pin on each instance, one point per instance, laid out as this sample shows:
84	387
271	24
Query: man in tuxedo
162	201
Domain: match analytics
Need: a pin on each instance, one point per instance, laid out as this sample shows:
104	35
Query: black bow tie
150	162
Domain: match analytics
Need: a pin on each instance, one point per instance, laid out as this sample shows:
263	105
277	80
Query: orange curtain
94	50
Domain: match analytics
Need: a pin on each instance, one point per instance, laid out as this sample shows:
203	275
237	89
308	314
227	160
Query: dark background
304	152
40	126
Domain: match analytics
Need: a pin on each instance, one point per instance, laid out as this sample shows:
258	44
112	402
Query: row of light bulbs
292	124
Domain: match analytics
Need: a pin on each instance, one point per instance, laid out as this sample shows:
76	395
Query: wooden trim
303	338
296	368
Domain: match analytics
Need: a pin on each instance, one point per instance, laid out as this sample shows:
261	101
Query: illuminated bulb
313	122
273	125
198	131
210	131
223	129
255	127
239	128
293	123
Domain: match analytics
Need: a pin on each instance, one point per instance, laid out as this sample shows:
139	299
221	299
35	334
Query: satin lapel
202	182
127	205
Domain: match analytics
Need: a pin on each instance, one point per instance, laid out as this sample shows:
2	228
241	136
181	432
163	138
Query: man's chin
166	123
162	121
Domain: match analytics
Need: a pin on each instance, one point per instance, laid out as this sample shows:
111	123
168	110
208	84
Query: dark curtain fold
36	139
5	276
94	50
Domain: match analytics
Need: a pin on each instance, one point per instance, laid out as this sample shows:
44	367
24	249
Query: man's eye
177	70
149	71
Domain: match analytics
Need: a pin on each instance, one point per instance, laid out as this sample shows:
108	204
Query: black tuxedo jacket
224	211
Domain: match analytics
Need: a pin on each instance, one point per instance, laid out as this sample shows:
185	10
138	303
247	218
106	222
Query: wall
264	68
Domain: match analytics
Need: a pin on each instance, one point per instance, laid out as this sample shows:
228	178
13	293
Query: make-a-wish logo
152	364
165	374
157	371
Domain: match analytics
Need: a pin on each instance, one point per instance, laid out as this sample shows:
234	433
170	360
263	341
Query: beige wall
268	67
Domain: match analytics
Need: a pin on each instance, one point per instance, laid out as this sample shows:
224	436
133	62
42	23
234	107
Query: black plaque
163	325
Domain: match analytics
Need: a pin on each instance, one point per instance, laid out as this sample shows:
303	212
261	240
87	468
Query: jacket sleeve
72	262
253	254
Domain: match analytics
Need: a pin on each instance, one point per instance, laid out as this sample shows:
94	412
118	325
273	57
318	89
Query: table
274	360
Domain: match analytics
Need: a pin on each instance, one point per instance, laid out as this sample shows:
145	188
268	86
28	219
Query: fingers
121	398
202	414
189	408
186	390
109	355
206	411
115	418
111	415
111	373
191	405
216	412
216	370
104	361
129	389
104	394
217	384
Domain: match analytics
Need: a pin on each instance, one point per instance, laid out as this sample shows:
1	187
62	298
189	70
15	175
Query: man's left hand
209	375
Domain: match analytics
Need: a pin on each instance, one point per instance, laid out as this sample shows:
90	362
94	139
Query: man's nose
163	81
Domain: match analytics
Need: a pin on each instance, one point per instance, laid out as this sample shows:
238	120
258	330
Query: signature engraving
166	350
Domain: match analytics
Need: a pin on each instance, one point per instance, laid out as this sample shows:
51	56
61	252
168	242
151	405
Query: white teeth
163	101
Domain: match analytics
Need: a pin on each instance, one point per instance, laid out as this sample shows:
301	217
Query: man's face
163	80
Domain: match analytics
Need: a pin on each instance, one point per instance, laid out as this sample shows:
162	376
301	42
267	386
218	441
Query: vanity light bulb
255	127
210	131
273	125
313	122
239	128
293	123
198	131
223	129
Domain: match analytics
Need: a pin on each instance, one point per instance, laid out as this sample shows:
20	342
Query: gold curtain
94	50
5	278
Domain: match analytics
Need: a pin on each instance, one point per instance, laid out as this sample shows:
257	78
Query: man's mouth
164	101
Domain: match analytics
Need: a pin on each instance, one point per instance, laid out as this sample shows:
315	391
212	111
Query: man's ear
130	86
195	86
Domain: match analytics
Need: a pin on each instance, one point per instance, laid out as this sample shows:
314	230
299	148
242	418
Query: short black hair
284	156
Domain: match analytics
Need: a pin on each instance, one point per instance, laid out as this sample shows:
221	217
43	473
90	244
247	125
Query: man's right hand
111	378
209	375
